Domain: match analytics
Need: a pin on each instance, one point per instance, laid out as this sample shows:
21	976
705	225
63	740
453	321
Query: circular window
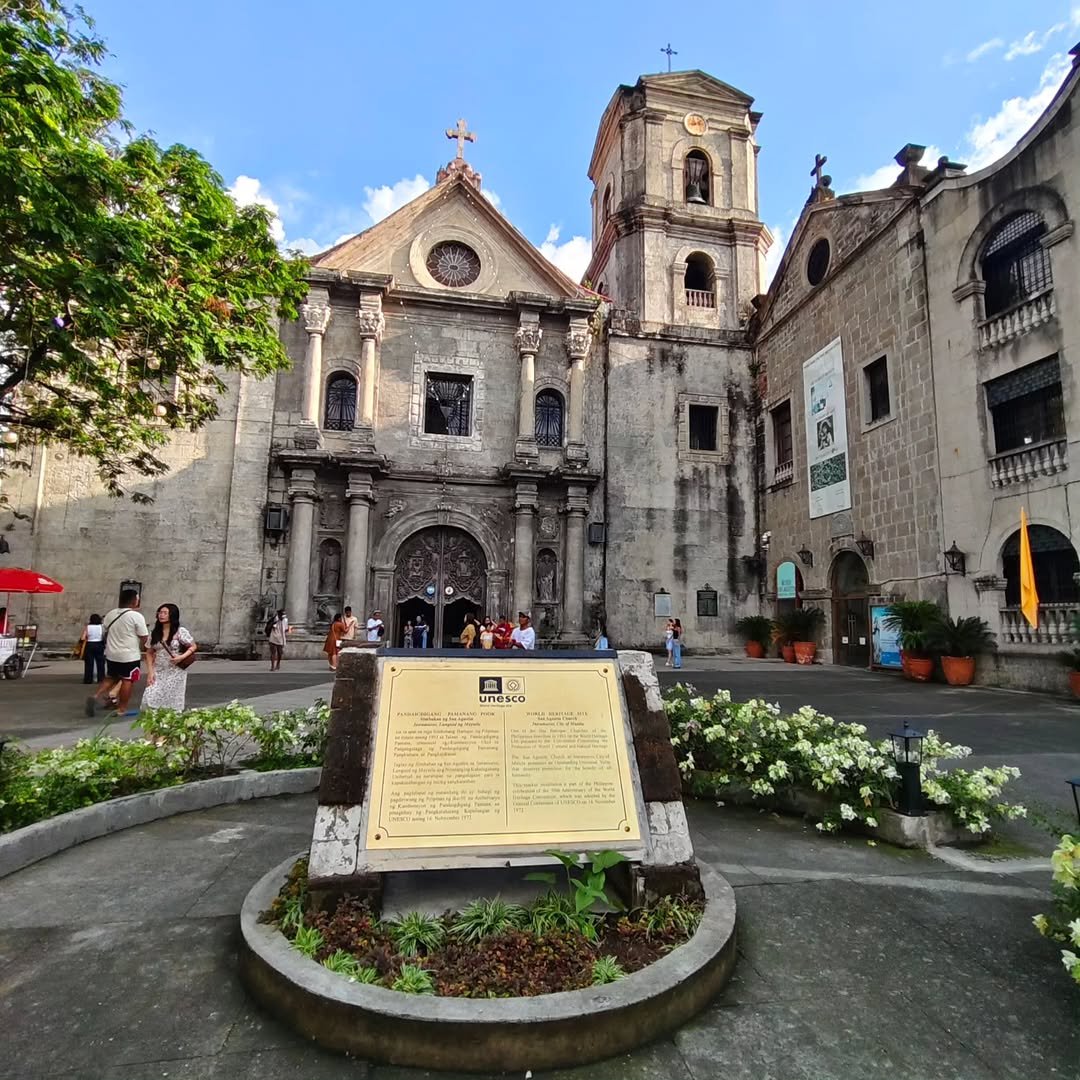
453	263
817	266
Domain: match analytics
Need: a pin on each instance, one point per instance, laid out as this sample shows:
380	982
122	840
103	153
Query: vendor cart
18	643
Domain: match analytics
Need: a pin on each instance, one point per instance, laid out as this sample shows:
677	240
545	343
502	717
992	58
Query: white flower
871	821
847	813
1069	959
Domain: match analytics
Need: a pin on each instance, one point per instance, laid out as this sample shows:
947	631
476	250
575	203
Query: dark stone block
342	695
348	747
327	894
660	779
644	722
680	879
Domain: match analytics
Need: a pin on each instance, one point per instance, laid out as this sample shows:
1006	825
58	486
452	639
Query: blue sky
336	116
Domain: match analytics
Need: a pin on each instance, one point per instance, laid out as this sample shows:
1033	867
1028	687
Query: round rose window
453	263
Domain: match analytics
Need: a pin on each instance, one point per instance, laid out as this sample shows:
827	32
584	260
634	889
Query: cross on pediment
819	164
669	52
463	135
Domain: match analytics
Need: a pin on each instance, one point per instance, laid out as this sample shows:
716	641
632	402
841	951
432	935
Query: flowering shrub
292	739
722	744
208	738
1064	924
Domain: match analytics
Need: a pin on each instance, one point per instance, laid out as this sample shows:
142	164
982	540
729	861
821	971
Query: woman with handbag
171	652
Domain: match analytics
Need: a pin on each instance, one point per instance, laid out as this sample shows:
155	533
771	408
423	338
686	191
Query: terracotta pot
788	653
1074	682
805	651
755	650
920	668
904	664
959	670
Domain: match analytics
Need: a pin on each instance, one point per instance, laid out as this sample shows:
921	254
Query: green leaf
570	861
548	877
604	860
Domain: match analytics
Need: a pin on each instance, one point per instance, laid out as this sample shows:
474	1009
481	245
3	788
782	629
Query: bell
693	193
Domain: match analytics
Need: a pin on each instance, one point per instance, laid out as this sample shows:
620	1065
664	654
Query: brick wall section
347	760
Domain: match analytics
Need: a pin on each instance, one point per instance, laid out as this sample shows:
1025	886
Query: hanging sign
826	431
785	581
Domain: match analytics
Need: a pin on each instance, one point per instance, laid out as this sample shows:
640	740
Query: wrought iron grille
1054	561
1026	405
448	405
549	418
340	403
1015	265
703	422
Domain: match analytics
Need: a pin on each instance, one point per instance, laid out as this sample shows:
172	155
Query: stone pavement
118	962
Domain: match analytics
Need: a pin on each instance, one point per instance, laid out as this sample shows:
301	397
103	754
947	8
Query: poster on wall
885	643
826	431
785	581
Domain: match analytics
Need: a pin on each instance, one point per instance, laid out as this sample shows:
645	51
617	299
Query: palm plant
913	620
801	624
960	637
756	628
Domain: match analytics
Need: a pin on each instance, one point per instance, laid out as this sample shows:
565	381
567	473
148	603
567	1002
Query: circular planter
1074	682
904	664
959	670
788	653
482	1035
805	651
755	650
920	668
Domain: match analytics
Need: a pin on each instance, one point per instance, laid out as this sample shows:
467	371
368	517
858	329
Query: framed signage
662	605
884	643
826	431
785	581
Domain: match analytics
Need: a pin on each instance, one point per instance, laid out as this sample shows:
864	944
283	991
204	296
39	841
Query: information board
885	648
473	753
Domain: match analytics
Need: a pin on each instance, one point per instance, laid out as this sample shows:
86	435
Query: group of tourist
673	633
489	633
344	628
115	646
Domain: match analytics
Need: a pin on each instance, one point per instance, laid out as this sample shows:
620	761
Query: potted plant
914	620
1071	658
959	641
757	632
804	624
784	636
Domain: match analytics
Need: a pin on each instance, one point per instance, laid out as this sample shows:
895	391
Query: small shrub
414	932
482	918
758	628
606	969
202	738
341	962
586	876
1063	925
552	912
671	914
293	738
308	940
414	980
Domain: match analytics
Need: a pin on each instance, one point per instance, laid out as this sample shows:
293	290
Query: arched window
340	403
696	178
549	418
1054	561
606	207
700	281
1015	265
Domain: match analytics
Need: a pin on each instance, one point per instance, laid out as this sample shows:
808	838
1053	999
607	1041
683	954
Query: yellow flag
1029	595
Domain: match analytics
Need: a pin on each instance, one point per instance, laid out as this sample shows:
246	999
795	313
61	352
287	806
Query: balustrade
784	472
1029	463
1055	621
1021	319
700	298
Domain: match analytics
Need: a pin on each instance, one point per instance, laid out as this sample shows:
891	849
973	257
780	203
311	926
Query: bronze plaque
475	753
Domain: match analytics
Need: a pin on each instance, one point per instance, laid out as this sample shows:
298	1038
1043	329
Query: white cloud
382	201
991	138
1033	42
306	245
247	191
981	50
571	257
781	235
491	197
886	175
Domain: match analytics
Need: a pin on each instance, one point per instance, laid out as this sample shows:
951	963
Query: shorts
128	670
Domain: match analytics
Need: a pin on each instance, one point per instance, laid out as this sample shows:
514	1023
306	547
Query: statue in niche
545	577
330	567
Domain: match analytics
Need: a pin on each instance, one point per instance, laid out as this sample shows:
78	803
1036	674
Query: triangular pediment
697	84
453	211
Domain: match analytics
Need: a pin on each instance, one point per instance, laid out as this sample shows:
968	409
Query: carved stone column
577	346
360	496
316	316
577	508
527	340
370	322
302	493
524	531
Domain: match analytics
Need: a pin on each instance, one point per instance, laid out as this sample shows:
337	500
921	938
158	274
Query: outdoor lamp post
806	556
955	559
1074	783
907	752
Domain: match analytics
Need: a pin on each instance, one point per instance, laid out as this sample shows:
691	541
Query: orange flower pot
805	651
755	650
919	668
959	670
788	653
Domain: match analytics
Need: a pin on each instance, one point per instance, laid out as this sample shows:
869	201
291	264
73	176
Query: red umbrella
14	579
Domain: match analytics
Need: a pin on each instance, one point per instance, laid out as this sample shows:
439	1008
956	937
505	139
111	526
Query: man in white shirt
125	644
375	628
523	636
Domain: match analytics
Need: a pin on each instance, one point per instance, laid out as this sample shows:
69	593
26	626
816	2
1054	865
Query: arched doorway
441	574
850	609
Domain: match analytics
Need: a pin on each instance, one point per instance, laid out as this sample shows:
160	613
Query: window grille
1054	561
549	418
340	403
1026	406
877	389
703	422
448	405
1015	265
782	444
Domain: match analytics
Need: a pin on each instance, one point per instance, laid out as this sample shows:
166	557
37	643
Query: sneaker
91	705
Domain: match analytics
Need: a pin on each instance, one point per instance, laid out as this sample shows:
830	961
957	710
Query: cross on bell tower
822	188
459	166
463	135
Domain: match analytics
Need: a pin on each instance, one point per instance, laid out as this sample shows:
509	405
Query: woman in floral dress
170	644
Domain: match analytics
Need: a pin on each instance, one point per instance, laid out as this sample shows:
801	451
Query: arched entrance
850	609
441	574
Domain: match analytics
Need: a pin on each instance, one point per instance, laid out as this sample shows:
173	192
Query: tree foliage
130	281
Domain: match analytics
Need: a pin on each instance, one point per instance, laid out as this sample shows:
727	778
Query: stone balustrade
1029	463
1055	621
784	472
700	298
1021	319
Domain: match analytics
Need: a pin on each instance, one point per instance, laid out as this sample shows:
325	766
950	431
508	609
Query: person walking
277	630
487	635
669	637
523	635
126	636
468	632
351	625
93	639
171	653
332	644
676	643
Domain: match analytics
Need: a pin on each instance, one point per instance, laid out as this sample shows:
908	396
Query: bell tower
676	237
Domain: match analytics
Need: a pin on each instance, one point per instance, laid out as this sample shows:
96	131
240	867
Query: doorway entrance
440	573
850	610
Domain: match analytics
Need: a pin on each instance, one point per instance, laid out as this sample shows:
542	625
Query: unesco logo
495	690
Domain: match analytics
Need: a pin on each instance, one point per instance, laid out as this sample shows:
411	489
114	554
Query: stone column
527	340
316	315
370	321
524	529
577	346
360	496
302	493
577	508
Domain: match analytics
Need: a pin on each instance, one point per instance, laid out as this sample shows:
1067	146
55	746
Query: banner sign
826	431
785	581
885	650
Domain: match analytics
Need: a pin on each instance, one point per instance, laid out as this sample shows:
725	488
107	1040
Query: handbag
184	664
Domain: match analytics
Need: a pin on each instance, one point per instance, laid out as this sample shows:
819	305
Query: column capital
527	339
526	497
302	486
577	342
577	501
316	315
370	323
360	487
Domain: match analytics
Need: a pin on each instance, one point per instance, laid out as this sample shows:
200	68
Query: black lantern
955	560
907	753
806	556
1074	783
865	546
